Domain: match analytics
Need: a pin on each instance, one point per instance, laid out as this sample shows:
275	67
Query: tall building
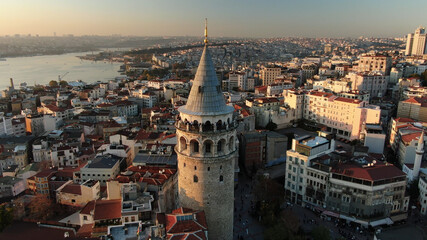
416	43
375	62
206	133
269	74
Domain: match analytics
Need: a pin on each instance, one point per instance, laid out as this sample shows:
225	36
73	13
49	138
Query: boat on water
3	59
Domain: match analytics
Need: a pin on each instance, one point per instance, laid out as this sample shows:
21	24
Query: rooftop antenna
206	31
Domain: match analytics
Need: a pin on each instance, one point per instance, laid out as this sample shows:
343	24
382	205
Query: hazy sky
233	18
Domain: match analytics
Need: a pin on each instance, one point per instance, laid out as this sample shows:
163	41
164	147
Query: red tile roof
85	230
379	171
193	228
401	119
72	189
347	100
108	209
408	138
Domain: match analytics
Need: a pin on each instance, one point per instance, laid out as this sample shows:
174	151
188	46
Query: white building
416	43
373	82
101	169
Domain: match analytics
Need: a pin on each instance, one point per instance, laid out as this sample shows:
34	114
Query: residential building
422	186
269	74
74	194
181	222
414	108
375	63
341	116
304	149
101	169
373	82
11	186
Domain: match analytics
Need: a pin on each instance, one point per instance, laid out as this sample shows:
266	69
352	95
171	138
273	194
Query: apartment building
375	62
414	108
373	82
342	116
358	189
269	74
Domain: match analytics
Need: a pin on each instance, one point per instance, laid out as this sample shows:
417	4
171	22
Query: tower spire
206	31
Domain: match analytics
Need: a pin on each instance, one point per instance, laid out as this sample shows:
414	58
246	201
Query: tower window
221	178
209	168
208	146
220	167
195	146
195	167
184	164
195	178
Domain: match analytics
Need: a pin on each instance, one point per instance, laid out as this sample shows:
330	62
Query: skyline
251	19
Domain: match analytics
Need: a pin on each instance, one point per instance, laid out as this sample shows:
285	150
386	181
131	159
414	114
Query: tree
321	233
53	83
6	217
277	232
271	126
40	207
63	83
424	78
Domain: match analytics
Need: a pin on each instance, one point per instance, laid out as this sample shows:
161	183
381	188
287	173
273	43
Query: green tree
53	83
321	233
6	217
271	126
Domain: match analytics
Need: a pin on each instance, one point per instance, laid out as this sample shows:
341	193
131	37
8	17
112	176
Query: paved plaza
245	225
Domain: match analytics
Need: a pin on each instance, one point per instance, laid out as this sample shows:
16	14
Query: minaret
419	156
206	133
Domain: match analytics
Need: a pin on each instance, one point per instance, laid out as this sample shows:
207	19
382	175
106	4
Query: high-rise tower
206	133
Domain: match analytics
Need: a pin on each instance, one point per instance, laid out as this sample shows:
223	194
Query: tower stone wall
206	149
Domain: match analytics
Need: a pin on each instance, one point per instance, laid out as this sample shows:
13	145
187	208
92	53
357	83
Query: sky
227	18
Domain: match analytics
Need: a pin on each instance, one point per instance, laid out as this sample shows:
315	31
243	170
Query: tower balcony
206	128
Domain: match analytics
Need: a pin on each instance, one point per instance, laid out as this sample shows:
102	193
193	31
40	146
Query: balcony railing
205	128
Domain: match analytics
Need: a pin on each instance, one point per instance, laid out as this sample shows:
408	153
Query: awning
399	217
319	209
351	219
384	221
332	214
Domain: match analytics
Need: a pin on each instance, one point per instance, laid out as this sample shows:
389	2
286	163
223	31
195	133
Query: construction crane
61	77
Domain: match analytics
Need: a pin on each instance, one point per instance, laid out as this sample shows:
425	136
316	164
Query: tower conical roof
206	97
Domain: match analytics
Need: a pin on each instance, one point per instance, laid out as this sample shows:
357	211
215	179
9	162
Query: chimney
11	83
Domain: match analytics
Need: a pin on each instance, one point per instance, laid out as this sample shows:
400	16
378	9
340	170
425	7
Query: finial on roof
206	31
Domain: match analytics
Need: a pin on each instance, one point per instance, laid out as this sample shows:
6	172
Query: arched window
183	143
195	167
208	146
220	146
231	143
195	178
221	178
194	146
209	168
220	167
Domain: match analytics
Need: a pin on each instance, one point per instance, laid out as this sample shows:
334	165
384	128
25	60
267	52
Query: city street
245	225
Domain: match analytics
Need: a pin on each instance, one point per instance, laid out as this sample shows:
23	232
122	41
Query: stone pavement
244	224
